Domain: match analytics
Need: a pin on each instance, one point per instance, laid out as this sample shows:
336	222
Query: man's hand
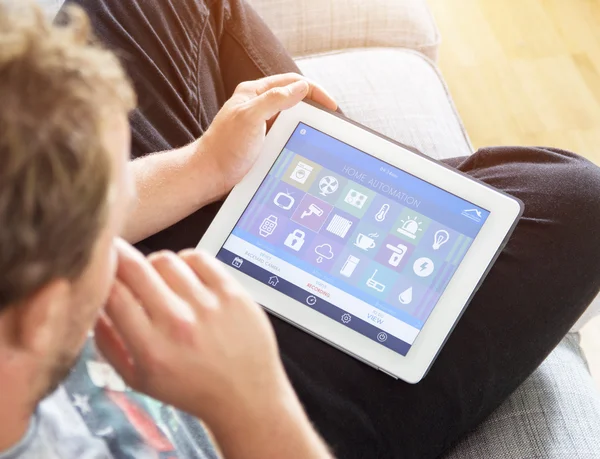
235	137
183	331
180	329
176	183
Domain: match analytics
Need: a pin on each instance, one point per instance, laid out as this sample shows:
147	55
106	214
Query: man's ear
41	318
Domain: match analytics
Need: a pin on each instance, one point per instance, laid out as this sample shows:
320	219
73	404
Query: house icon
473	214
273	281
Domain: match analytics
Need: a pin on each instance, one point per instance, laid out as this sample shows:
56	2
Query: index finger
315	91
138	275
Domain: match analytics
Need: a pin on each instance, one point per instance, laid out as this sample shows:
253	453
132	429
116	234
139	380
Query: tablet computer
362	242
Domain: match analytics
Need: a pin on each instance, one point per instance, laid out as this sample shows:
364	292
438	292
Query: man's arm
172	185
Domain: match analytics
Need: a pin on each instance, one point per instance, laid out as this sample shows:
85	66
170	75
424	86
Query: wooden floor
526	72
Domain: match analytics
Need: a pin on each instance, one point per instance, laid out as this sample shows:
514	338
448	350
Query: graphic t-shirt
94	415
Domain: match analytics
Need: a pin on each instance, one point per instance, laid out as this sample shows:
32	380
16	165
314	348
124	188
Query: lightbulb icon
440	238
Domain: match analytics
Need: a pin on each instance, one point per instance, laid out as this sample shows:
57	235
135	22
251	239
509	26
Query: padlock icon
295	240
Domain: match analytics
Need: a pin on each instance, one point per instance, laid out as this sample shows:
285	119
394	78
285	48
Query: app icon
324	251
371	282
440	238
312	213
406	296
301	172
349	266
237	262
473	214
295	240
313	209
283	200
356	198
311	300
339	226
382	337
366	242
410	227
397	254
328	185
423	267
346	318
267	226
273	281
380	216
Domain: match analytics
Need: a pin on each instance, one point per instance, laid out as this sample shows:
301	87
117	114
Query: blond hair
58	90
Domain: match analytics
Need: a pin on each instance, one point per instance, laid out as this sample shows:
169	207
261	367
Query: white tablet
360	241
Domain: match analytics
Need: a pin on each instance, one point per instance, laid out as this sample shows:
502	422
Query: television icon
284	201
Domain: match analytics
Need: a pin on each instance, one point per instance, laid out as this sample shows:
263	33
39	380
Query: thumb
275	100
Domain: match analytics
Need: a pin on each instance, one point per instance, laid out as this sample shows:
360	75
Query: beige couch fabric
315	26
396	92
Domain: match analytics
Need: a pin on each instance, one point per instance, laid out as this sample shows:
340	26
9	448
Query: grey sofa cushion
397	92
554	414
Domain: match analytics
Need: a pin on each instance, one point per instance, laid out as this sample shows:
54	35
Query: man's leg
538	287
542	282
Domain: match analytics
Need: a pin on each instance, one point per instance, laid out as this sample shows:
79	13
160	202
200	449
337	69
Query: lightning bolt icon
423	267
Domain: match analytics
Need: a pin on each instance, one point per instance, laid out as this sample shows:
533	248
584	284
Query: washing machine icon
301	172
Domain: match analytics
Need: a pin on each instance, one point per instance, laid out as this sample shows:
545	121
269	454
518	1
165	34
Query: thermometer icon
380	216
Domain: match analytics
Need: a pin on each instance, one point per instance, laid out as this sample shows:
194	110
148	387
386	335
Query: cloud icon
324	251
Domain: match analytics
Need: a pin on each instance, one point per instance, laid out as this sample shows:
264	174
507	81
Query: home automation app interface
346	234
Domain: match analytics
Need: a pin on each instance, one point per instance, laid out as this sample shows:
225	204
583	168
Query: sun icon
410	227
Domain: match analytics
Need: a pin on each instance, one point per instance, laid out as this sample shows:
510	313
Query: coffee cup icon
366	242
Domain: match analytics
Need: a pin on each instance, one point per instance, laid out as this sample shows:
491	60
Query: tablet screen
360	241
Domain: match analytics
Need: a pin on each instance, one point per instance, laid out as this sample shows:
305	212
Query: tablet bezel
504	214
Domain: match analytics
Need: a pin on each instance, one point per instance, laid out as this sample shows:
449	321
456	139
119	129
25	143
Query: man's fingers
318	94
182	280
275	100
315	92
128	318
208	269
113	349
145	283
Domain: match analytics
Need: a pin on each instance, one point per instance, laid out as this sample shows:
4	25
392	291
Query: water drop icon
406	296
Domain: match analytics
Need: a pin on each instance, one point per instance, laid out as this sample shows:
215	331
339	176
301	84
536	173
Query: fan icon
328	185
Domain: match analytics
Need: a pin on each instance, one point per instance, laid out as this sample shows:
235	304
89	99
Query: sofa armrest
316	26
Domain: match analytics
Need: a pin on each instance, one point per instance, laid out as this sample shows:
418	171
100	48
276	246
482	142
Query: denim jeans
186	58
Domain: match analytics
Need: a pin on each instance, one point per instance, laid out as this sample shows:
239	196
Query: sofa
377	58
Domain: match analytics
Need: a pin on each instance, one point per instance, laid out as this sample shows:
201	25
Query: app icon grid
347	231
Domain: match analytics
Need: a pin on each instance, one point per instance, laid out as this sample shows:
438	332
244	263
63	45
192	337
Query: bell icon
410	227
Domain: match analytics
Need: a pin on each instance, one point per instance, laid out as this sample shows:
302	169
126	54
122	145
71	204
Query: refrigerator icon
349	266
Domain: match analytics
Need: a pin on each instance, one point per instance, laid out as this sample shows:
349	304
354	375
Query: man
186	59
180	329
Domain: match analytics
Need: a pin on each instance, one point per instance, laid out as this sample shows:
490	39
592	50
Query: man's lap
186	59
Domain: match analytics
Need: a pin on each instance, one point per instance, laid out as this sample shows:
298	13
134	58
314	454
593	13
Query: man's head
64	189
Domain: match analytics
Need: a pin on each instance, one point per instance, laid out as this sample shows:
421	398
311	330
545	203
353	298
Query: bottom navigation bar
314	302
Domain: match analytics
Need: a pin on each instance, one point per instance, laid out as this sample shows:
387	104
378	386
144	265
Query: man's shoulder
120	422
94	415
57	432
